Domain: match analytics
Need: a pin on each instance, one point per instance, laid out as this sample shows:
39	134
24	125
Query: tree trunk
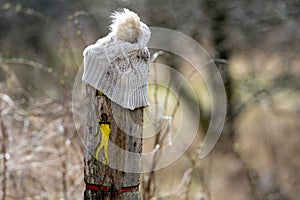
114	135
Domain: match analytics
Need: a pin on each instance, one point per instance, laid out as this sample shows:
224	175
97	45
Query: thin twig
4	153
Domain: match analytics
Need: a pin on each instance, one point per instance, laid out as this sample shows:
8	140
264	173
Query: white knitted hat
118	64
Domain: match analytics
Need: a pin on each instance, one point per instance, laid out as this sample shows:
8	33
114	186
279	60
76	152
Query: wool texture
118	64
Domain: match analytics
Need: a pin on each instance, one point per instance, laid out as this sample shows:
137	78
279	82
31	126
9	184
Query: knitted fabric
120	68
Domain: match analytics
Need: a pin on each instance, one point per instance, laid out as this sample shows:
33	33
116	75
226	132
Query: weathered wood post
116	71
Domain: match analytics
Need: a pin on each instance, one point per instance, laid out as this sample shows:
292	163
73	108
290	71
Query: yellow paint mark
105	132
99	93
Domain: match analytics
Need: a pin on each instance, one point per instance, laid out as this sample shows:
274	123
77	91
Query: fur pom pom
126	25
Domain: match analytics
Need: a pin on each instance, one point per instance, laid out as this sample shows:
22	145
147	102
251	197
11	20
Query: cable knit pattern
118	67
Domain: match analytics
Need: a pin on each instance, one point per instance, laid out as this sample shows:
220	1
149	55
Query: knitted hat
118	64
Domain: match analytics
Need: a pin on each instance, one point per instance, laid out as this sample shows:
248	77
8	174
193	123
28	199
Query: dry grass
43	156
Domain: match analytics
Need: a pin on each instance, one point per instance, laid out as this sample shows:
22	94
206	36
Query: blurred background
255	45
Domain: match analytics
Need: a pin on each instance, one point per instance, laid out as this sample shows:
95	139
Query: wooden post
107	176
118	65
